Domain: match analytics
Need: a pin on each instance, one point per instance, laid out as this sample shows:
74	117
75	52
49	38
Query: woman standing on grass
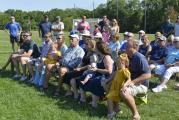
115	27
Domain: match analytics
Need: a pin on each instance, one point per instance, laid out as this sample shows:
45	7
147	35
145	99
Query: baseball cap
75	36
73	32
141	31
126	33
130	34
86	33
176	39
58	17
12	17
162	38
98	35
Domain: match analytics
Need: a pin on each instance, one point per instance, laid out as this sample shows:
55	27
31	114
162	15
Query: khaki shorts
137	90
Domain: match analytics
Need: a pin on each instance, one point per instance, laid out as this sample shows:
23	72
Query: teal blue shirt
172	56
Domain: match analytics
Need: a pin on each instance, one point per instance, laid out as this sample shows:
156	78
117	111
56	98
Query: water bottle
37	76
42	77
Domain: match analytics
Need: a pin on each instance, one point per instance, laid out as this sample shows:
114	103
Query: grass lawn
21	101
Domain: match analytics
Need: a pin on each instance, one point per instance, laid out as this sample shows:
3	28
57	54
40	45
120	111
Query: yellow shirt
52	59
120	78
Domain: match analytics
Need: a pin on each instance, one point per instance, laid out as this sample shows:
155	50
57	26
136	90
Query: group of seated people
118	69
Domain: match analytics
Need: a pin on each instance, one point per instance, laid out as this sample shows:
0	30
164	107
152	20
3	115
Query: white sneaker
23	78
16	76
159	88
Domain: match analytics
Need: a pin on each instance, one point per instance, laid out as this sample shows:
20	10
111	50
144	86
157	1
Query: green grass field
21	101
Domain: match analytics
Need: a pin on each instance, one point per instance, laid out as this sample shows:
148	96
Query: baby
89	73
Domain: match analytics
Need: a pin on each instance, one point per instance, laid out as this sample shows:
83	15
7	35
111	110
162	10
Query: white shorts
137	89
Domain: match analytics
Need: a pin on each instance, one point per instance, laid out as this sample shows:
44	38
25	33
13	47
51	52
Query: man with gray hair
71	59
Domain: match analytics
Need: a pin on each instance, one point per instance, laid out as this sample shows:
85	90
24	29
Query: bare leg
129	100
30	68
16	64
110	106
8	62
47	76
95	101
61	73
73	85
83	95
13	47
23	63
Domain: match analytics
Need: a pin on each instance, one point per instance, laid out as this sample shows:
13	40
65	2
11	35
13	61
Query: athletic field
22	101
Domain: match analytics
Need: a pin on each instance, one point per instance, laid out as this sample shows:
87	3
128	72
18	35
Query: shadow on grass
6	74
67	103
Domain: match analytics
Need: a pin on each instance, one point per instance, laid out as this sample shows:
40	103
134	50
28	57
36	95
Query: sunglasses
25	35
47	36
58	38
128	36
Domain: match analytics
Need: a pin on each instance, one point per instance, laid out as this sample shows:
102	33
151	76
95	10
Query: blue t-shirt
14	28
172	56
158	53
143	50
123	46
45	27
167	27
153	44
138	65
114	45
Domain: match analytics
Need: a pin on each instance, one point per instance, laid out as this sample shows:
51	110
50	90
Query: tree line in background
131	14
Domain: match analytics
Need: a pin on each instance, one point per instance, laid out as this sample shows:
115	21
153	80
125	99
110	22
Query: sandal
136	118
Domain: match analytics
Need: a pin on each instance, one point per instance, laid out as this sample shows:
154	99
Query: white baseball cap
86	33
162	38
75	36
98	35
141	31
176	39
126	33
